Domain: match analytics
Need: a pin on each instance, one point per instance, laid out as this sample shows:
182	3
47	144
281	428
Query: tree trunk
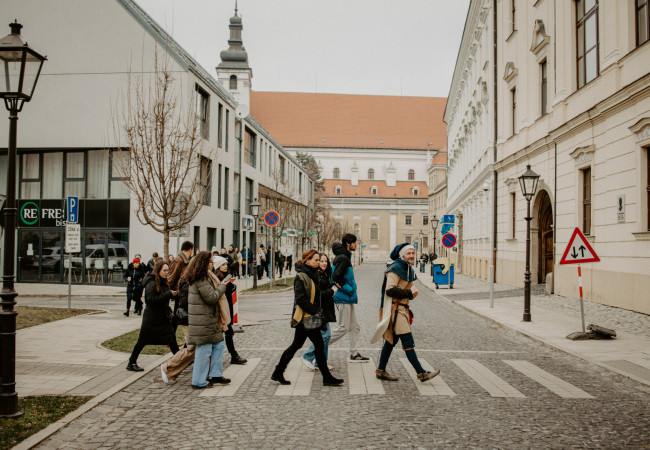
166	244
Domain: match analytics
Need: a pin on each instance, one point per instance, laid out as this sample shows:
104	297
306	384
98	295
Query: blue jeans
203	368
327	334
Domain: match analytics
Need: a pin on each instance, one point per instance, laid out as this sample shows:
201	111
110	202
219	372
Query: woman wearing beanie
220	265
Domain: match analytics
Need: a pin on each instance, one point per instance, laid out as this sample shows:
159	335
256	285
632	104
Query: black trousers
173	346
134	293
230	345
298	340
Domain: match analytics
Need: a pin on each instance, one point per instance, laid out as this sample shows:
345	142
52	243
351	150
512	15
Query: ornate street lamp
528	183
319	228
434	224
255	212
20	67
420	246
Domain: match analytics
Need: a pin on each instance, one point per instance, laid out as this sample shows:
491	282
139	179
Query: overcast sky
376	47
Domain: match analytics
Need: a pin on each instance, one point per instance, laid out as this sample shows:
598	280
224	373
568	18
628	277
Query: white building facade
66	134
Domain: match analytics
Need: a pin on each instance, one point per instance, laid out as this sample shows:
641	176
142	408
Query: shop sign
41	213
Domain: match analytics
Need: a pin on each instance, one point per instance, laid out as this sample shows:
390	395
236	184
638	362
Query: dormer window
233	82
373	190
337	190
415	191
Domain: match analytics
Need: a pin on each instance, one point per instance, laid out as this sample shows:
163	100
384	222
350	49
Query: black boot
279	377
236	359
332	381
126	313
133	367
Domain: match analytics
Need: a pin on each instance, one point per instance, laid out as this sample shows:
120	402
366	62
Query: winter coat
156	326
302	293
343	275
176	270
184	289
203	310
327	296
137	275
230	291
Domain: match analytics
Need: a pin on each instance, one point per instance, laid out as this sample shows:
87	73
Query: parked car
118	256
51	259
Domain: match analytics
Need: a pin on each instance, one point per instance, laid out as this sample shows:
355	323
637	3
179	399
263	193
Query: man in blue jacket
345	298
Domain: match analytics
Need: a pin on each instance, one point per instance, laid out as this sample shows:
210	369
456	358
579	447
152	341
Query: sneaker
165	378
358	358
330	367
308	364
426	376
383	375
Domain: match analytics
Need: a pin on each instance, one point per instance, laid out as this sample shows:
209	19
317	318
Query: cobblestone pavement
493	404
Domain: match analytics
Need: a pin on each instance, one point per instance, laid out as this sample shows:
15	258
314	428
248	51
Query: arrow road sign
449	240
579	251
271	218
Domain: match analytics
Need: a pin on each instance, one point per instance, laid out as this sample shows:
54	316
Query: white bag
383	325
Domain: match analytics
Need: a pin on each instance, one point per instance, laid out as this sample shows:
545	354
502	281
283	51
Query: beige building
573	93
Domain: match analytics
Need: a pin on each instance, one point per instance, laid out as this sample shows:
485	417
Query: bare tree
163	160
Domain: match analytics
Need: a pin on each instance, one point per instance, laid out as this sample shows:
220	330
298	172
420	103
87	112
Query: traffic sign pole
582	303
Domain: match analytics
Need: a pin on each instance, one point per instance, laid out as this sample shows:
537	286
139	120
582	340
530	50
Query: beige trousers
180	360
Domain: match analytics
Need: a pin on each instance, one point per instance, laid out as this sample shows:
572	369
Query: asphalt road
494	404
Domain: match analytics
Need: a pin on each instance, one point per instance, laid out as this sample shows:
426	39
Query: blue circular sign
449	240
271	218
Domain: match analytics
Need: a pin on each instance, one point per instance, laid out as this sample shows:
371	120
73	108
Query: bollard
236	327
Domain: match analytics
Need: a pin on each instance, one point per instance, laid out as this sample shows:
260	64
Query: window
642	21
203	111
197	237
233	82
544	87
226	175
336	173
408	238
587	40
425	243
75	174
300	183
250	148
30	176
513	215
373	190
119	168
415	191
357	230
411	175
409	219
337	190
219	183
220	126
425	220
282	170
206	180
371	174
212	238
248	195
227	127
586	201
513	100
53	176
374	232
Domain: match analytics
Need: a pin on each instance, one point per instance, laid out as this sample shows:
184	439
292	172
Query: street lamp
421	247
20	67
528	183
319	228
255	212
434	224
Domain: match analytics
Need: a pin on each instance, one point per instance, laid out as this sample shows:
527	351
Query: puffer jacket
203	310
343	275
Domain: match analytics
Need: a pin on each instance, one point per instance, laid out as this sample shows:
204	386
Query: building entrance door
545	239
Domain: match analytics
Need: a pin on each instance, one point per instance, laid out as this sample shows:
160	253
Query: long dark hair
156	271
198	267
328	269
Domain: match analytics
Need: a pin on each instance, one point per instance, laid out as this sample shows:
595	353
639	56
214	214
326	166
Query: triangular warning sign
578	251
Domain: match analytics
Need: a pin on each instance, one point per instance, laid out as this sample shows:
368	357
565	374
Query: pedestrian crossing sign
579	251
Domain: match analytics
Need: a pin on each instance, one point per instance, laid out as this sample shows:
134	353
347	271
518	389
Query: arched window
373	190
371	174
336	173
374	232
411	174
233	82
337	190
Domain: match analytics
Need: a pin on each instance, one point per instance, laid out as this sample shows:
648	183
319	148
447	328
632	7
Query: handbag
310	322
314	321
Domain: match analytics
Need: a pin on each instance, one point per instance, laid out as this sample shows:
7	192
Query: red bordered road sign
271	218
449	240
579	251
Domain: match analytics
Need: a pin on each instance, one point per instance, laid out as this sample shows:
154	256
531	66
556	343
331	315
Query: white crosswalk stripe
362	379
301	380
487	379
237	375
550	382
435	386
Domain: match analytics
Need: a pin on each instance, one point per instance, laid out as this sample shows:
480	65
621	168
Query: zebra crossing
361	380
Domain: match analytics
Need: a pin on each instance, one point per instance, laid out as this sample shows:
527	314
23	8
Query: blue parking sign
73	209
415	245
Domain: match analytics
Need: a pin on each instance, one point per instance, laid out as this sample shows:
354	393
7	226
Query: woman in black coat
133	276
156	326
329	312
306	288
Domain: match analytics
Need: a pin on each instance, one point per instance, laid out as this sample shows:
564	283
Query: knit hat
218	261
399	250
136	260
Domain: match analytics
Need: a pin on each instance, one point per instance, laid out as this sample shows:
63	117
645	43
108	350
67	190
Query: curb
48	431
249	292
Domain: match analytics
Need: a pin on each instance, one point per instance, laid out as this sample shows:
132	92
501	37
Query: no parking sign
271	218
449	240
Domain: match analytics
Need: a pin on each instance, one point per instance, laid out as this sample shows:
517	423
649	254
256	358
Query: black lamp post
528	183
319	228
434	224
255	212
20	67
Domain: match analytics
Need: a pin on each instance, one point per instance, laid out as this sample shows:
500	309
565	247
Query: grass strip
29	316
126	342
279	285
40	411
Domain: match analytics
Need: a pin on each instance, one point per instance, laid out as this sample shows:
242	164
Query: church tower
234	73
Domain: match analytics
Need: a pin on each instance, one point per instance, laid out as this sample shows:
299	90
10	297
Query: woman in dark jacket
329	313
306	281
156	326
221	270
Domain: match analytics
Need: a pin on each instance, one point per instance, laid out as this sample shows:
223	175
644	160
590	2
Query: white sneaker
309	364
164	375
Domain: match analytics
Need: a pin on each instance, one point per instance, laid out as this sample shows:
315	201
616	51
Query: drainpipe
493	268
554	220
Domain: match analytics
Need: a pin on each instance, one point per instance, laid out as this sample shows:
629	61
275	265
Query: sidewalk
554	317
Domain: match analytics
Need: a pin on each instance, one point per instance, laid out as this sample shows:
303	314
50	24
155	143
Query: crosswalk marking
301	379
237	375
362	379
487	379
550	382
435	386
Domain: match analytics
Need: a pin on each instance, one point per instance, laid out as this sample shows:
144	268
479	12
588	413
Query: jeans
409	348
260	271
327	334
347	323
422	267
203	367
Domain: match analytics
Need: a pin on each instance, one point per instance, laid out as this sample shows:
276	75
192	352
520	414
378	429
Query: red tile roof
439	160
401	190
351	121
